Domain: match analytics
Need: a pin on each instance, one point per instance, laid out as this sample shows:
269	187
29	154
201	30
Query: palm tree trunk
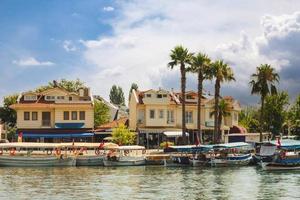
217	93
219	127
183	81
261	118
200	89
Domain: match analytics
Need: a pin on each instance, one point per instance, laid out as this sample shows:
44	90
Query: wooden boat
179	156
23	161
286	156
125	156
90	154
231	154
22	155
201	155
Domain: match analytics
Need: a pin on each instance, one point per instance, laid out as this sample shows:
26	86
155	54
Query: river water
147	182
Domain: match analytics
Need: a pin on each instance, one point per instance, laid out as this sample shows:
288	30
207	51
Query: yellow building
155	113
55	114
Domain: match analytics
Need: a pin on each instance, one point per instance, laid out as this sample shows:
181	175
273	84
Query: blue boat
285	157
231	154
186	155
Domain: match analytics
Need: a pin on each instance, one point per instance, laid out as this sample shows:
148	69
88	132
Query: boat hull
177	161
198	163
89	161
231	161
18	161
109	163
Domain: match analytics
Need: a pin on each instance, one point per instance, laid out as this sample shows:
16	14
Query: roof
113	124
287	144
133	147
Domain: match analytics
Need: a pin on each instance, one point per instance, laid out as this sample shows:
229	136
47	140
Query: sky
120	42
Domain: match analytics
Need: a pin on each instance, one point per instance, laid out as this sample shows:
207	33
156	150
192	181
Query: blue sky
120	42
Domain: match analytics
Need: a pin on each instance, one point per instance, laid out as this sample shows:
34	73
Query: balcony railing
46	123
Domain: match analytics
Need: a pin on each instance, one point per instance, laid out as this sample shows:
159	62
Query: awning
56	135
174	133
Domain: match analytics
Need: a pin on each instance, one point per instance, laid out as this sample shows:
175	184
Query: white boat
34	155
286	156
23	161
125	156
89	160
231	154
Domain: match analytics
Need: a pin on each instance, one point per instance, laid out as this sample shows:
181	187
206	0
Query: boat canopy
191	148
174	133
37	145
232	145
133	147
56	135
287	144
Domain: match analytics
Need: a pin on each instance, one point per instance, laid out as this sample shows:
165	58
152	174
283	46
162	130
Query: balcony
46	123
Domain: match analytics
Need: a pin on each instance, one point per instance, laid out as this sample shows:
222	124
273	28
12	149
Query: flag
197	142
278	142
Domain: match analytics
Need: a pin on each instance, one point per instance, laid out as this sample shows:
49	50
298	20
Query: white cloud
69	46
30	61
145	31
108	9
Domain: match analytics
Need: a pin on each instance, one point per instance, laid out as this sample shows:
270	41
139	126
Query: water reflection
147	183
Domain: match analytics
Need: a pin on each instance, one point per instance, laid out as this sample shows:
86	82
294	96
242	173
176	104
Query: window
164	95
26	116
148	95
189	117
60	97
82	115
50	98
161	114
70	98
170	116
159	96
189	97
30	97
152	114
74	115
34	116
66	115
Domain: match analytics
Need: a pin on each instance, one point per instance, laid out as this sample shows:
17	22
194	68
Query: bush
164	144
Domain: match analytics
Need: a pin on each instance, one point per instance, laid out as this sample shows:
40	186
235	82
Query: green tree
263	83
222	111
201	66
293	117
7	114
122	135
101	113
249	118
133	86
116	95
181	57
221	72
275	113
69	85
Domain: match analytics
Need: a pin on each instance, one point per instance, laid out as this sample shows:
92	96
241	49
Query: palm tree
224	111
181	57
222	72
263	84
200	66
